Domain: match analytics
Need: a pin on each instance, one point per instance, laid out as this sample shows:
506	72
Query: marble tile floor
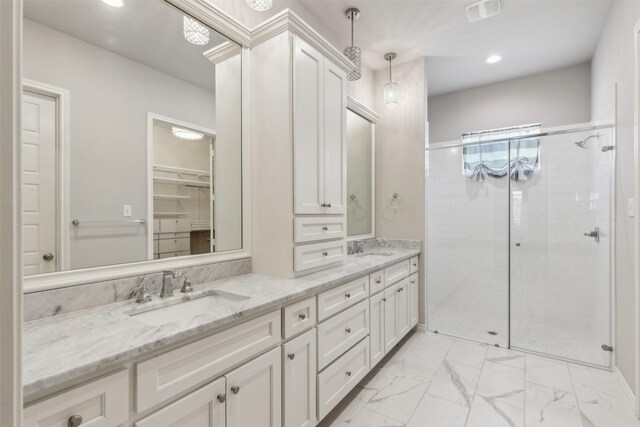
432	380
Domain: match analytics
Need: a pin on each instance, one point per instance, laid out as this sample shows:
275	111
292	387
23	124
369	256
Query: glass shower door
468	243
560	246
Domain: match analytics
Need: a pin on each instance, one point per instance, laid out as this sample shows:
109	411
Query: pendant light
352	52
194	32
260	5
391	90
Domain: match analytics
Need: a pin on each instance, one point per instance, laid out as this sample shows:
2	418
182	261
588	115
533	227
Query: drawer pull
347	296
74	421
348	373
291	356
235	389
222	398
302	316
348	330
384	299
327	205
378	281
413	282
325	228
325	253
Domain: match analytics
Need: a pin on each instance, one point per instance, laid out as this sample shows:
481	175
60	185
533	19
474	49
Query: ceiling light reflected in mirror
493	59
186	134
114	3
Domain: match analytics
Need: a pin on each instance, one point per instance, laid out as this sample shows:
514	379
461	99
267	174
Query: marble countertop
63	348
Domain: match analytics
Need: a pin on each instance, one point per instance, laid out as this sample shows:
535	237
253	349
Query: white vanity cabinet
319	126
299	381
377	327
403	307
413	300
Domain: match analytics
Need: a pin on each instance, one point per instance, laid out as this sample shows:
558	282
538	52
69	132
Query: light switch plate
126	211
631	207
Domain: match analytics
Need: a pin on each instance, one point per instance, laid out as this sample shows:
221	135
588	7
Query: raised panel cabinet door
254	392
335	113
413	300
376	328
308	131
204	407
403	307
390	317
299	389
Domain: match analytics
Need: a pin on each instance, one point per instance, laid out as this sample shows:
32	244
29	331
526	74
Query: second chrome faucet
166	290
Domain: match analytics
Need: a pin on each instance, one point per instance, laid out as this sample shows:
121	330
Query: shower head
584	142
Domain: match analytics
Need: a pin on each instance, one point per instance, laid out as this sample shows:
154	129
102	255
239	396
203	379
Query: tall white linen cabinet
298	125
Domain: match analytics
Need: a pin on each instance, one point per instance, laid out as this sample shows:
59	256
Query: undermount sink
364	254
184	310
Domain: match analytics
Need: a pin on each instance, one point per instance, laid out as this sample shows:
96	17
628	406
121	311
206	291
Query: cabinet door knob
378	281
348	373
348	330
384	299
325	228
222	398
74	421
235	389
328	205
325	253
48	257
347	295
291	356
302	316
324	205
399	290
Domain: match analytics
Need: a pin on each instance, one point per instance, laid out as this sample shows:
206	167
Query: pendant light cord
390	81
351	18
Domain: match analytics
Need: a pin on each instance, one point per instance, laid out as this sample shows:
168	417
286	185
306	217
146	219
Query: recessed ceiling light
114	3
186	134
493	59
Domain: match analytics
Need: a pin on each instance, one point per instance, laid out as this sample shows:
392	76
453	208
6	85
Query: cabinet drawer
100	403
312	229
376	282
413	265
335	382
164	376
298	317
337	299
338	334
201	408
162	236
318	254
173	254
174	245
174	225
396	272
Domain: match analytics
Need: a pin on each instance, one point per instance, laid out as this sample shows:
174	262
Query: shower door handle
595	233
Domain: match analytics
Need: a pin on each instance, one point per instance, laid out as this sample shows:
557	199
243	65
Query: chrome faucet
142	294
358	248
167	284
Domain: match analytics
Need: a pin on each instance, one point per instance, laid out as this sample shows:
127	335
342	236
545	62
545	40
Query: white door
299	390
308	131
377	327
390	317
413	300
335	107
403	307
254	391
39	250
204	407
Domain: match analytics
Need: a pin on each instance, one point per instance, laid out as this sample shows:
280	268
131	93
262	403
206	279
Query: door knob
348	373
74	421
48	257
222	398
348	330
291	356
302	316
595	233
235	389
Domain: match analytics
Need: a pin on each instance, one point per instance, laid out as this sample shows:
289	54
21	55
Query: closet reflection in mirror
131	135
360	155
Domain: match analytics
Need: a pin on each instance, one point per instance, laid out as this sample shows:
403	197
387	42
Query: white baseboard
421	328
629	397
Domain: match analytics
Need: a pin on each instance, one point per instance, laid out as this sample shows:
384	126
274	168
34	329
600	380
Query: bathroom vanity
235	352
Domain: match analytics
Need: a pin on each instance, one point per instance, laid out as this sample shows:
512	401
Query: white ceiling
532	35
146	31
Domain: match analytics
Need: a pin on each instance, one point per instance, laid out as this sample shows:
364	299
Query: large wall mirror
131	141
360	170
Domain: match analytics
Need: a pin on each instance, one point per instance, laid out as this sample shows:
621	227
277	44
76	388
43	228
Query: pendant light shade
260	5
352	52
391	89
195	32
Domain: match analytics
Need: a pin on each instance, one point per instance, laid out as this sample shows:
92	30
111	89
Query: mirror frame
368	114
237	33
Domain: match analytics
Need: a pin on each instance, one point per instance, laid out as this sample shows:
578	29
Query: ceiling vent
483	9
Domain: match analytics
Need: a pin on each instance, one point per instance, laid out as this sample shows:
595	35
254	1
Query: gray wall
613	64
400	159
110	97
553	98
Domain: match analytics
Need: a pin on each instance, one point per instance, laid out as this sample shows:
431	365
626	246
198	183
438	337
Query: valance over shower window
493	158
